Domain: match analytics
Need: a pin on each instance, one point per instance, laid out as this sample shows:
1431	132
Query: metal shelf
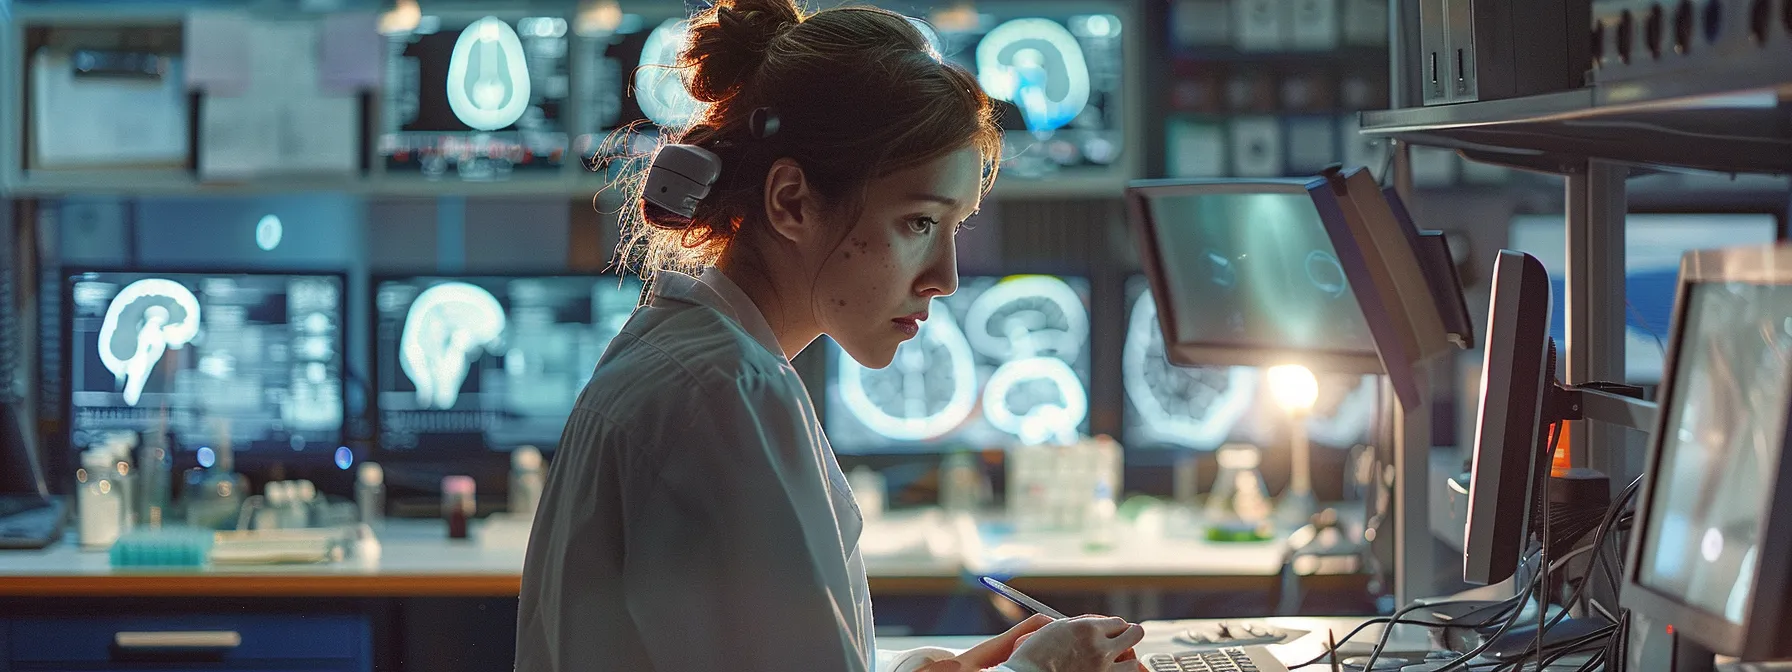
1735	119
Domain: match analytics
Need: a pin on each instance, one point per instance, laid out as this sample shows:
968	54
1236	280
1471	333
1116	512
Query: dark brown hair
857	92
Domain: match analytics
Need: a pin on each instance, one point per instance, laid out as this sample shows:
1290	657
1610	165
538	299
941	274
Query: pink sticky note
215	47
351	53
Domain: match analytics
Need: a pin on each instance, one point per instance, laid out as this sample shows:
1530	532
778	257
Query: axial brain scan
253	359
1000	362
1173	406
658	84
488	78
489	362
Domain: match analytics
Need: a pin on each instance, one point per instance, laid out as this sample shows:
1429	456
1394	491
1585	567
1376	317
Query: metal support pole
1415	548
1595	306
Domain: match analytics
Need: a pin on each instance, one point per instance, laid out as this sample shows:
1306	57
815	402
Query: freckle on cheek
848	255
842	303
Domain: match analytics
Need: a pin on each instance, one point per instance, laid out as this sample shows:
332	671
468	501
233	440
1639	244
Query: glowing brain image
658	87
1193	407
444	329
147	318
926	392
1037	65
488	78
1036	325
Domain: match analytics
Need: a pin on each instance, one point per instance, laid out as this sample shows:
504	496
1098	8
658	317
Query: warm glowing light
1293	386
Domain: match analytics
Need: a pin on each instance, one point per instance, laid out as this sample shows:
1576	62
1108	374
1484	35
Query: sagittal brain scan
480	97
490	362
252	359
1000	362
1058	84
1173	406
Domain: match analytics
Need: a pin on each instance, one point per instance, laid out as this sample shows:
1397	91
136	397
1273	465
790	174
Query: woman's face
875	286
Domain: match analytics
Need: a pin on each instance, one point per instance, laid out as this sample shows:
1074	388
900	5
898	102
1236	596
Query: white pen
1021	598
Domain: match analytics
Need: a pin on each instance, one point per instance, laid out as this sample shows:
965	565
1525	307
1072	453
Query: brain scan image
258	355
1173	406
490	362
1037	65
488	78
928	390
448	324
145	319
483	98
659	83
1002	361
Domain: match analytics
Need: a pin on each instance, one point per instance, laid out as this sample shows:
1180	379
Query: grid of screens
476	363
479	97
1264	269
1653	245
252	360
1001	361
1057	83
1720	446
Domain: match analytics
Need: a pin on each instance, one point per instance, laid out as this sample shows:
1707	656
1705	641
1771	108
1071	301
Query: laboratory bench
425	602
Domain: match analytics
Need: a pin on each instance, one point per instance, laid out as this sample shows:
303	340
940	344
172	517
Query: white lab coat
695	517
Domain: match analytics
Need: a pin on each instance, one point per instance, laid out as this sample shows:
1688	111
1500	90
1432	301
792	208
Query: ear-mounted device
680	177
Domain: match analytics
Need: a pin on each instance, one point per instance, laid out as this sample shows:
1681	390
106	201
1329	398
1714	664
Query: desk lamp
1295	390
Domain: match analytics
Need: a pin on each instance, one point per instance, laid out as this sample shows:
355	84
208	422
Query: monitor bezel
1139	197
1503	489
239	458
1759	636
374	415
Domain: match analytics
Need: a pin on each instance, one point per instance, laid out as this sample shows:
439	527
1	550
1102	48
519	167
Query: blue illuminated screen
1000	362
1653	245
249	360
1256	270
489	362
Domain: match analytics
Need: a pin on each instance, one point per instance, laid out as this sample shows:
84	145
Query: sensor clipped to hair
680	177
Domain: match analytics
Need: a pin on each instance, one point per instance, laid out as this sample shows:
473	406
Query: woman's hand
1082	644
996	650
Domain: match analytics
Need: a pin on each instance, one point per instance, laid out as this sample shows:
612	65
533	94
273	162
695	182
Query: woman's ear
789	206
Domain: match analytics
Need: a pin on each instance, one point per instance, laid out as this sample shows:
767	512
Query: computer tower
1474	50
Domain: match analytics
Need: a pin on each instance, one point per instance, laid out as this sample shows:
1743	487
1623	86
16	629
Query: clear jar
100	498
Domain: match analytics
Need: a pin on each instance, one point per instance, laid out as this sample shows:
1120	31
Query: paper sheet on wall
77	121
215	46
283	123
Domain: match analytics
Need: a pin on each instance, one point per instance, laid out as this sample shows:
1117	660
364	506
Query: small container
526	481
154	488
458	504
370	495
101	499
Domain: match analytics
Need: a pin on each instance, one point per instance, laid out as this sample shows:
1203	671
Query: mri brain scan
1170	405
1037	65
658	85
447	326
1001	361
147	318
488	78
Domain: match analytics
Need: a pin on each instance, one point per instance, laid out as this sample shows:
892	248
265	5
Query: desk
1160	638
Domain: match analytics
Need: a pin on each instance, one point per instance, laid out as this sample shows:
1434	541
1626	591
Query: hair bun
729	42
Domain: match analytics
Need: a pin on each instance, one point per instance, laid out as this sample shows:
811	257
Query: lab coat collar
713	289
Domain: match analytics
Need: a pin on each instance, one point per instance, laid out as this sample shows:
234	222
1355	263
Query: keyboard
1231	659
30	521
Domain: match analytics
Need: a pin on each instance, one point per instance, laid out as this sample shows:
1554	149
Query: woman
695	517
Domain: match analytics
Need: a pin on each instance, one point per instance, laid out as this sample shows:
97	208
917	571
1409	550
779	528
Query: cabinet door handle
189	641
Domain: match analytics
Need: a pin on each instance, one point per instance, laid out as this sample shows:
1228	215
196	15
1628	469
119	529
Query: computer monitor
479	95
1002	361
1510	443
628	93
1170	406
470	364
1709	552
1653	245
251	360
1262	272
1056	73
